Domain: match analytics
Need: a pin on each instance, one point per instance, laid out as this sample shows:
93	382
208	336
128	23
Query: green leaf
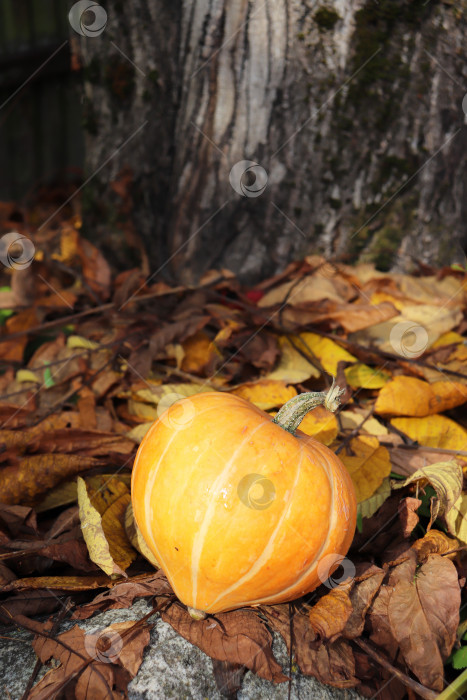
48	379
4	314
459	658
424	509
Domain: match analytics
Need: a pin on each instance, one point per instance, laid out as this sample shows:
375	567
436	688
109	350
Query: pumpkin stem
294	411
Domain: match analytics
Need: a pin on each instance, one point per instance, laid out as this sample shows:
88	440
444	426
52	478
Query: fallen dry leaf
122	594
423	612
408	396
360	376
433	431
446	478
238	636
327	351
310	288
26	482
370	505
320	424
368	465
329	616
93	661
198	351
369	424
356	317
292	367
136	538
361	597
408	515
102	515
434	542
266	394
58	583
12	350
331	663
456	519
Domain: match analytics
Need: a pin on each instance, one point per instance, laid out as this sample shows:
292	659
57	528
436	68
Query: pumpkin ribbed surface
236	510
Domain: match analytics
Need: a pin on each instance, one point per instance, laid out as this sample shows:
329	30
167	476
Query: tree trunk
351	114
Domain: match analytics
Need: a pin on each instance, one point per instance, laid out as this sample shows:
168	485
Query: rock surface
172	667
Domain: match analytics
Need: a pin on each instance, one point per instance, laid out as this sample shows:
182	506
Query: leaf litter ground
91	359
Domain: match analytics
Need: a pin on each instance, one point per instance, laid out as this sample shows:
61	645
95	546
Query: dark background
41	138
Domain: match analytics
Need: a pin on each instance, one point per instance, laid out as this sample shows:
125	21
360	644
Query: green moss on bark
326	18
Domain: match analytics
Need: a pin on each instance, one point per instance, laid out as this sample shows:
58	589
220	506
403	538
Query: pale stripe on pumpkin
151	483
200	537
266	553
316	560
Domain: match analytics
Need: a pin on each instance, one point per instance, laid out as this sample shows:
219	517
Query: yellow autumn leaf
320	424
175	352
368	465
77	341
456	519
459	354
360	376
381	297
352	419
68	245
139	431
265	394
199	350
25	375
446	478
369	506
136	538
433	431
447	339
409	396
102	513
231	325
140	409
326	350
293	367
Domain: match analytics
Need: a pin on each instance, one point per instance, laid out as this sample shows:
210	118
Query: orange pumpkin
240	509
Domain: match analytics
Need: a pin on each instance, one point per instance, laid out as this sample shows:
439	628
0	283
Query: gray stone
172	667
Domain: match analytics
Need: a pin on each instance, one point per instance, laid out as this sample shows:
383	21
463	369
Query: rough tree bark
353	108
